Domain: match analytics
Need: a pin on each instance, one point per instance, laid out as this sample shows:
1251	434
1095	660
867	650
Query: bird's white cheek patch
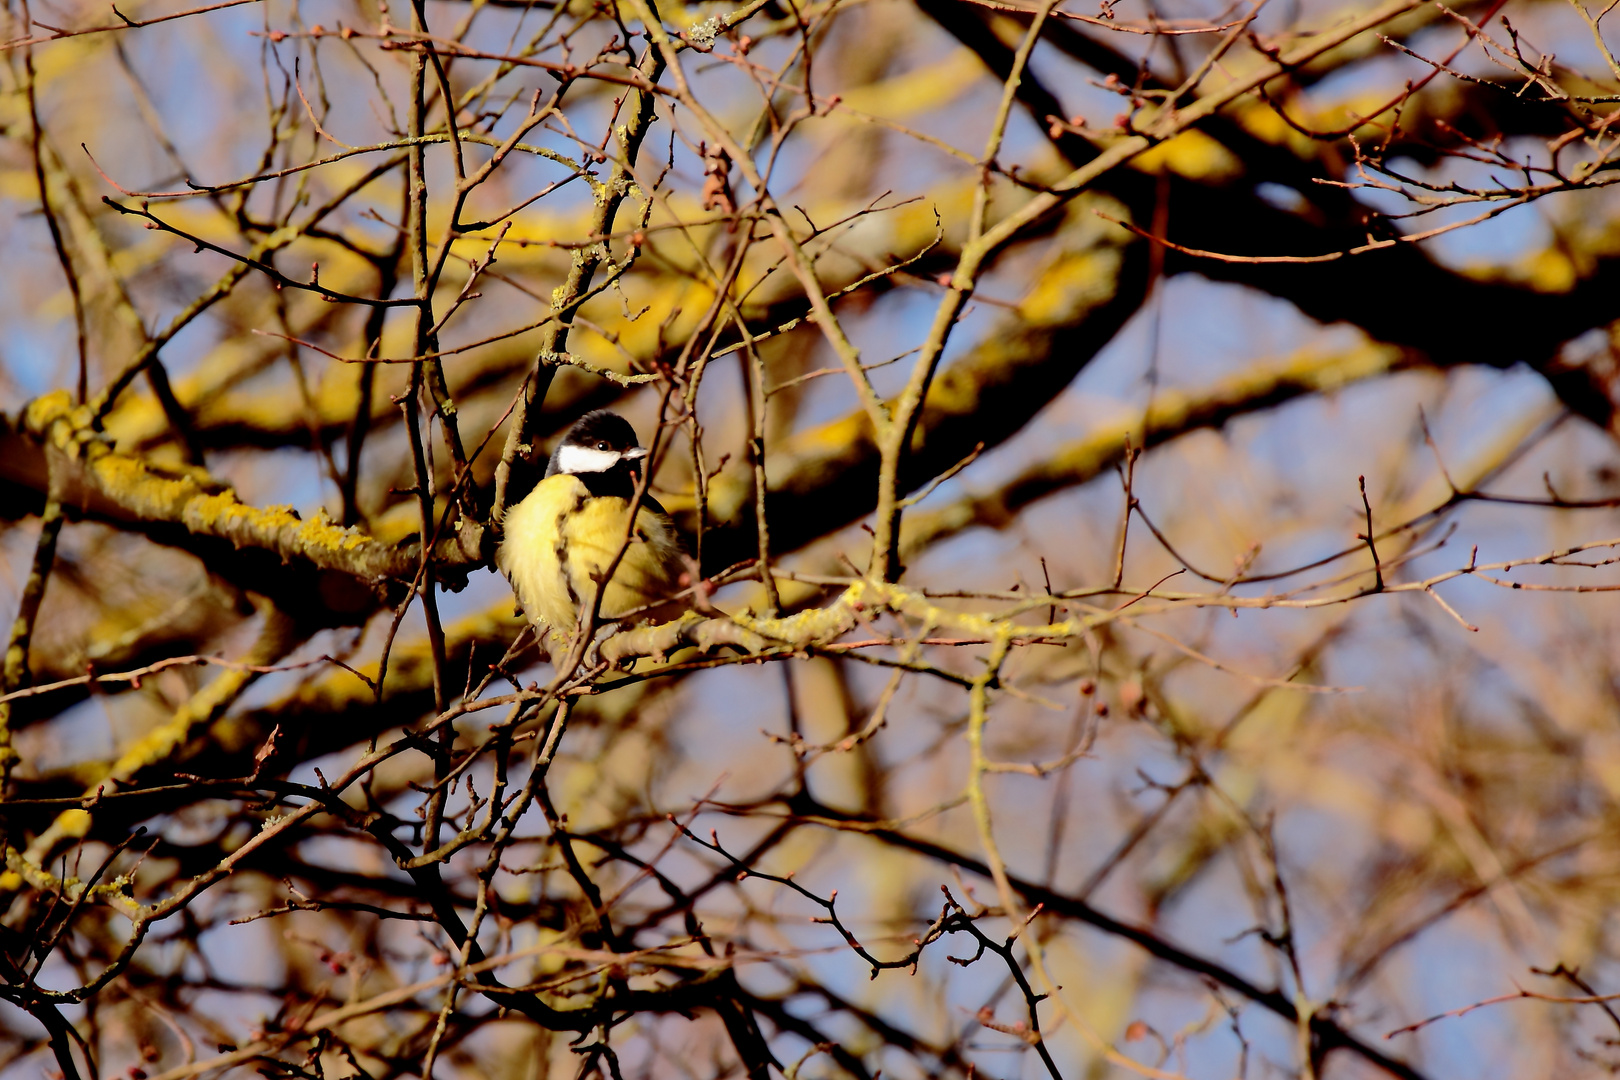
586	459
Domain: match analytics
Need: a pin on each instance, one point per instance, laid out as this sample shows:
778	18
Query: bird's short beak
635	453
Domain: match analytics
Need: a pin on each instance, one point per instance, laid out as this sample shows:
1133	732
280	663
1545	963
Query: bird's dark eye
601	444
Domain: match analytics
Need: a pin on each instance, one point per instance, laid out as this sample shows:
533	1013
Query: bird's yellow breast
559	542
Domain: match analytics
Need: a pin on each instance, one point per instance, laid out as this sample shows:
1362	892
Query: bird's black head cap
601	449
602	430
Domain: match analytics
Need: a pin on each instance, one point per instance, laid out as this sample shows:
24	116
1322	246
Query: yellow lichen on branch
95	476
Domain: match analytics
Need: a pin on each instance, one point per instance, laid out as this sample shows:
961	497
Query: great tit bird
560	540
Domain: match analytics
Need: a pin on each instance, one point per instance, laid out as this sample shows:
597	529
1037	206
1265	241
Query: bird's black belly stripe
560	549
